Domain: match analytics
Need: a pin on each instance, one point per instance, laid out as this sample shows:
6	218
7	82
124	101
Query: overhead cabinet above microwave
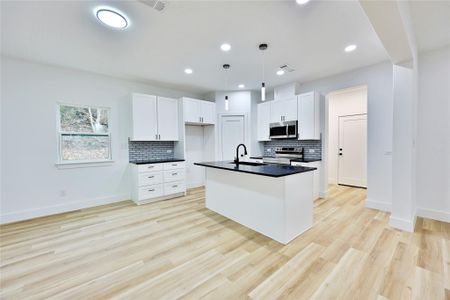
154	118
199	112
283	110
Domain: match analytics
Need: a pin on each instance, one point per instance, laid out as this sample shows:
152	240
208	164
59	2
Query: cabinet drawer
150	178
174	187
174	175
151	191
174	165
149	168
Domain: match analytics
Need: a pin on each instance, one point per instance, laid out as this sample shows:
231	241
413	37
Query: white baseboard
62	208
434	214
402	224
384	206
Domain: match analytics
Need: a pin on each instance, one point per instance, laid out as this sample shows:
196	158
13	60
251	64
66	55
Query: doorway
232	134
352	160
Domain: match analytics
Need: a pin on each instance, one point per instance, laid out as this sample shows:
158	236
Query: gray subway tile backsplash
150	150
269	147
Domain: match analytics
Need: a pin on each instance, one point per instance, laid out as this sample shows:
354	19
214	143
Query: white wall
342	103
378	79
195	143
32	183
433	136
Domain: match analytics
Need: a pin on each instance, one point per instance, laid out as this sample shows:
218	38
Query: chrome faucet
236	160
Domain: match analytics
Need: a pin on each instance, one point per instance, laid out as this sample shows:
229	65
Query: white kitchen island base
278	207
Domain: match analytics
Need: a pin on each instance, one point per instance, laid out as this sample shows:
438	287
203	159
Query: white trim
62	208
434	214
402	224
83	164
383	206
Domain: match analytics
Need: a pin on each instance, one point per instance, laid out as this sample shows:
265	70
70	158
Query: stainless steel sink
248	163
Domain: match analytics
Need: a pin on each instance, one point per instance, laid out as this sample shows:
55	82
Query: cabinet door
308	117
168	119
283	110
144	118
264	121
191	110
208	112
289	110
276	111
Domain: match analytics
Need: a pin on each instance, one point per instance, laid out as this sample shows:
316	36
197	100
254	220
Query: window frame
60	133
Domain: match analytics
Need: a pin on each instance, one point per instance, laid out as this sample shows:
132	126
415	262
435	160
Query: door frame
339	141
325	134
219	132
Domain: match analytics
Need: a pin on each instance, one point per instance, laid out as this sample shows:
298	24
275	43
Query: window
83	134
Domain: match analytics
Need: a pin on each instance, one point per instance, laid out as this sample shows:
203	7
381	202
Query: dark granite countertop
155	161
271	170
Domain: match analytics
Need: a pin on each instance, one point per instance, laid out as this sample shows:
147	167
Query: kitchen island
274	200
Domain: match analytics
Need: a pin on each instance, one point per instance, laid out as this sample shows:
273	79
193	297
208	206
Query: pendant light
263	47
227	102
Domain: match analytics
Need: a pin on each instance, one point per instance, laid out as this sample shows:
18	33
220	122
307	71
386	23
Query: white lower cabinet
316	175
158	181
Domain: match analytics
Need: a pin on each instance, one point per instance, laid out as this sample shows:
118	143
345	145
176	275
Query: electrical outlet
169	151
311	150
269	149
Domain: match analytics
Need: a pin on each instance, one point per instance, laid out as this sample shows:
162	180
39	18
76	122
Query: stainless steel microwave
283	130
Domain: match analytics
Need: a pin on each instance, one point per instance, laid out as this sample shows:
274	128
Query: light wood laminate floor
178	249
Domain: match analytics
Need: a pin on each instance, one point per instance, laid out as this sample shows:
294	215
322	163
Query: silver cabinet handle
173	174
175	185
174	165
152	190
151	176
150	167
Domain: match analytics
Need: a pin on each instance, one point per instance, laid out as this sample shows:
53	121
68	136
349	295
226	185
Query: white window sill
83	164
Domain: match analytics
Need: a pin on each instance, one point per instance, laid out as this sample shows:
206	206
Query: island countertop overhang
270	170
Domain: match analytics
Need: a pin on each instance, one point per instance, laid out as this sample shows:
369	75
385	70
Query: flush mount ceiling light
112	18
350	48
302	1
280	72
241	86
225	47
188	71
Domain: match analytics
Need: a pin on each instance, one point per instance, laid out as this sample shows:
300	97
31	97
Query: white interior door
352	160
232	134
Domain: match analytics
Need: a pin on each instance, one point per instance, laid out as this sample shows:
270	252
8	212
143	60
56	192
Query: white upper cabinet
309	116
144	118
283	110
191	110
154	118
199	111
208	112
264	121
167	119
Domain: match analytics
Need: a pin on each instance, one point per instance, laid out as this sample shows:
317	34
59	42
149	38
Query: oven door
278	131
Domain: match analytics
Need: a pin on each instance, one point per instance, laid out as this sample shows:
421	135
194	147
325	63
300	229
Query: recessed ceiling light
241	86
188	71
112	18
225	47
280	72
302	1
350	48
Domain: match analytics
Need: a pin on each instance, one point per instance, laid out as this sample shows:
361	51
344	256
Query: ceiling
158	46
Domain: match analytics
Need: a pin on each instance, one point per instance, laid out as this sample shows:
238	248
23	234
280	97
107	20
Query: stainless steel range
283	155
